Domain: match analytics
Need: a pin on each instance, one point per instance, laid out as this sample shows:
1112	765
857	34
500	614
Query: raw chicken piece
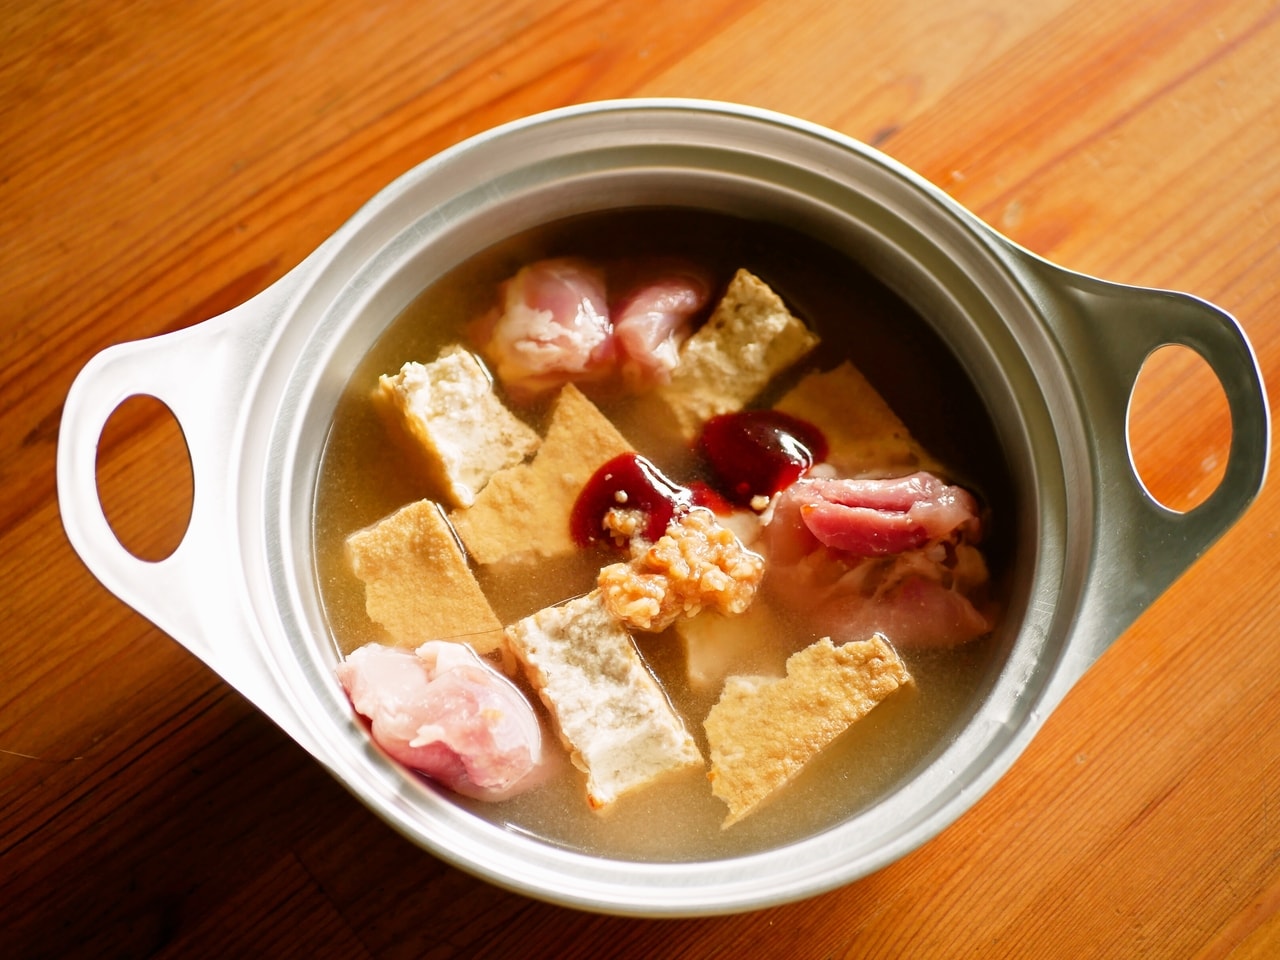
551	327
653	304
918	602
872	518
556	323
856	557
448	714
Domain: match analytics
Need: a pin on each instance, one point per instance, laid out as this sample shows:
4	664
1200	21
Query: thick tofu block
611	714
764	730
450	414
417	585
717	646
749	339
523	513
864	436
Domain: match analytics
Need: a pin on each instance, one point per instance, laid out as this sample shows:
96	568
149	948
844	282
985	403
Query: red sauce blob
705	495
759	452
630	482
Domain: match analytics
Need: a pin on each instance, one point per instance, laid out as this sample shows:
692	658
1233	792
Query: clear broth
363	478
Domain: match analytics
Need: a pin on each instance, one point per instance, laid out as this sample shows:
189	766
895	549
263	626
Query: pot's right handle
1108	331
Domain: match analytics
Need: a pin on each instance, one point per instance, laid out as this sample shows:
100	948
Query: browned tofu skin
750	338
417	584
523	512
864	436
764	730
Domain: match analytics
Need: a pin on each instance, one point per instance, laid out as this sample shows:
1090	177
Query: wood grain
162	162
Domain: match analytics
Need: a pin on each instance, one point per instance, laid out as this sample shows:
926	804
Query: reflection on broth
950	453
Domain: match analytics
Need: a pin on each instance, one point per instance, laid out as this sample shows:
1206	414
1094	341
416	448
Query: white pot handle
202	374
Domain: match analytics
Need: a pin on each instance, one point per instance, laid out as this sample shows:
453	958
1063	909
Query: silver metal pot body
1052	354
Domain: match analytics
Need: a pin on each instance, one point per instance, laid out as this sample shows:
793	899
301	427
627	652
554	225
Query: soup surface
363	477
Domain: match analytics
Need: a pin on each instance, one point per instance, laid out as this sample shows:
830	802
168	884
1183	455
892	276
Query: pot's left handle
201	374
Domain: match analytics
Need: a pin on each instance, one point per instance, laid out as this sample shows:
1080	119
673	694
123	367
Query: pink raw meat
566	320
653	307
878	517
856	557
446	713
551	327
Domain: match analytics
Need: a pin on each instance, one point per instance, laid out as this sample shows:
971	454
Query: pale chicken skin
445	712
871	518
568	320
896	556
653	305
551	327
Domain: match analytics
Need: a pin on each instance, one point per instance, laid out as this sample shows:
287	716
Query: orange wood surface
160	162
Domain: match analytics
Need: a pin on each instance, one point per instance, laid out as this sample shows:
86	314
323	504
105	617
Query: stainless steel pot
1052	354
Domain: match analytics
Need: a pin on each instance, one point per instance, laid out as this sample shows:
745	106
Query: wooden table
161	162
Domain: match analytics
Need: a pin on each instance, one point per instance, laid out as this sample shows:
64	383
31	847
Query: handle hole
1179	428
144	478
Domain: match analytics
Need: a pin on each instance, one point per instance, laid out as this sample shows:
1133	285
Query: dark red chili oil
629	482
749	454
759	452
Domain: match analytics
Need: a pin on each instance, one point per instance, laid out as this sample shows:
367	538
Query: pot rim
976	757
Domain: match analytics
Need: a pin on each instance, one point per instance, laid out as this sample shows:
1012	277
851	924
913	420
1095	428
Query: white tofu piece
750	338
616	722
450	413
417	583
716	646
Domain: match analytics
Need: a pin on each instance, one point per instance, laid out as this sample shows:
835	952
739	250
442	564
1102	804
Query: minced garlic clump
622	525
697	563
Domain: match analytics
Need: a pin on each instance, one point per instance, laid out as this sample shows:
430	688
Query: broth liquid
363	477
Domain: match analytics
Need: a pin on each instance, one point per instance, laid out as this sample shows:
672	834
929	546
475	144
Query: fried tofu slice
417	584
609	711
864	436
447	412
523	513
750	338
763	730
